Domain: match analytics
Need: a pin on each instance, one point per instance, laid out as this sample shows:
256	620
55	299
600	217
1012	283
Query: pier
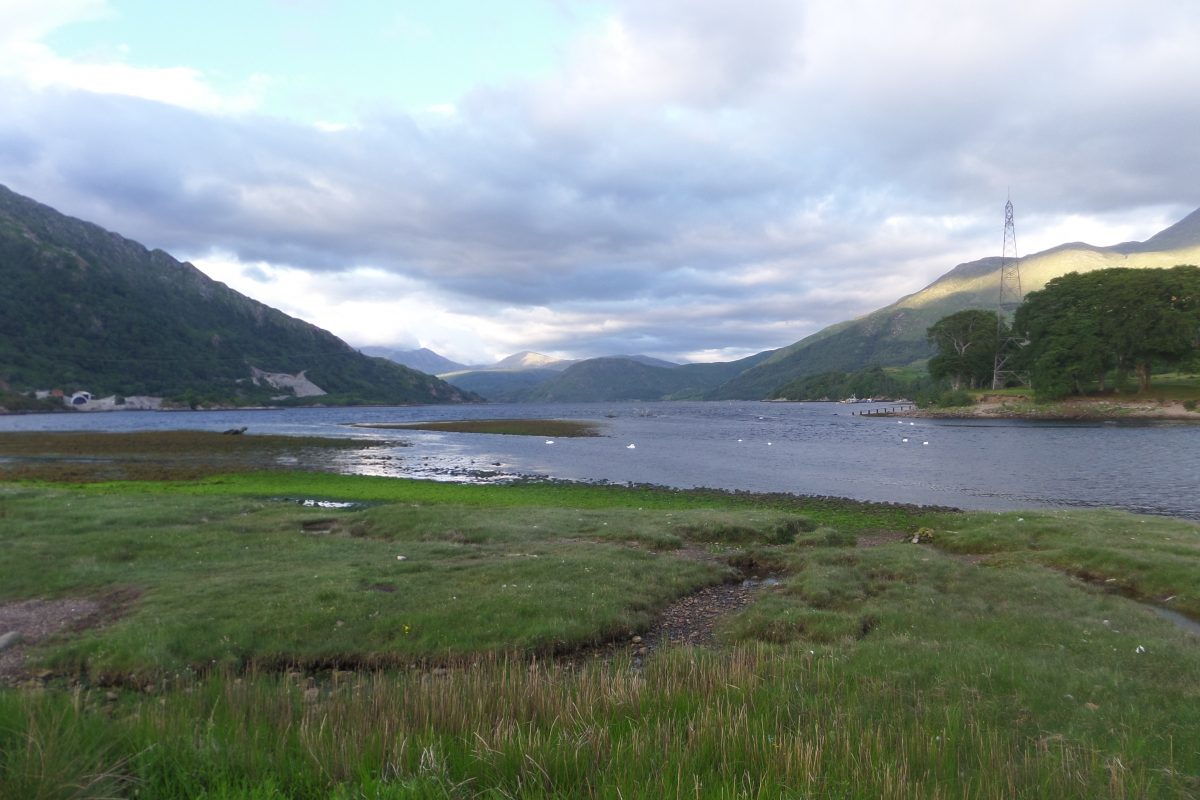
886	411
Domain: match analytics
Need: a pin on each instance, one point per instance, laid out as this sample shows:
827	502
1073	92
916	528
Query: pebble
637	640
9	639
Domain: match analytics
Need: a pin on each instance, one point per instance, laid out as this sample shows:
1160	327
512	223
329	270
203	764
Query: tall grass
757	721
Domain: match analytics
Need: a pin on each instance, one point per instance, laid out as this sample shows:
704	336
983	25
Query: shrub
786	530
954	397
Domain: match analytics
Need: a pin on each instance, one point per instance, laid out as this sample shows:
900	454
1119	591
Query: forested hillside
895	335
84	308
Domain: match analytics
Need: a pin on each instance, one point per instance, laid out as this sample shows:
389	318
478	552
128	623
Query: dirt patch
39	620
692	620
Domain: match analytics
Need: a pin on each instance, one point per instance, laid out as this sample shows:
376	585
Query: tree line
1080	330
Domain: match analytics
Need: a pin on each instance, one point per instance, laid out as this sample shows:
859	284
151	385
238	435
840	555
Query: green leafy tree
1081	327
966	343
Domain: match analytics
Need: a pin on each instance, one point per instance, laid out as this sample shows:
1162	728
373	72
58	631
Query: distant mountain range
86	309
895	335
521	376
892	336
422	359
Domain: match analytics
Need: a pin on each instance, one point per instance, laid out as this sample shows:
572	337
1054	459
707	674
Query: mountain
422	359
500	386
649	360
517	378
84	308
626	378
527	359
895	335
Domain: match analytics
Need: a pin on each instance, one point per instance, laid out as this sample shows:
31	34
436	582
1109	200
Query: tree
1082	327
966	343
1068	333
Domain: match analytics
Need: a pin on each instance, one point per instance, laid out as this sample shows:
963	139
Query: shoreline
1081	410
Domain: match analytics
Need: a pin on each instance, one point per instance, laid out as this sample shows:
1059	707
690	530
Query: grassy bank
507	427
77	456
997	659
1172	396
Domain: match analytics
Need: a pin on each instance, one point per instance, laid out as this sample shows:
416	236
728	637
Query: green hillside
84	308
500	385
623	378
895	335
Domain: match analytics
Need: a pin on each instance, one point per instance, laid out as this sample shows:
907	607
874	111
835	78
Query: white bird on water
924	442
631	446
904	440
549	441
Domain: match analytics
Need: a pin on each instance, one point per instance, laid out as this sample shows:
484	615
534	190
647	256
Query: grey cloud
792	137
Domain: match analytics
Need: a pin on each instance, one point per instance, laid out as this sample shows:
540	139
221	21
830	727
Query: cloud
24	56
698	177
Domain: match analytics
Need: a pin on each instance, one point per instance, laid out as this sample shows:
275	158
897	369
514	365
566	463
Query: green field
246	646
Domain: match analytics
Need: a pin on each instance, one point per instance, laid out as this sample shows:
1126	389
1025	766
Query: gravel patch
38	620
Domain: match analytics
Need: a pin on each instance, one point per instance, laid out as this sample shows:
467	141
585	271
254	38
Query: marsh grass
562	428
87	457
973	667
754	722
838	512
384	585
1151	558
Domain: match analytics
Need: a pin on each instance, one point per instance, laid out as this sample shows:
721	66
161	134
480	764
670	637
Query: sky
696	180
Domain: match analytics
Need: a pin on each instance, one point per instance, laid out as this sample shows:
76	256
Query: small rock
641	651
111	697
9	639
402	558
637	640
1091	706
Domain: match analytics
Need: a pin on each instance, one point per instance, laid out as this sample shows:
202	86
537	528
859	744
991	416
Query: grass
329	587
978	666
1150	558
1167	387
157	455
562	428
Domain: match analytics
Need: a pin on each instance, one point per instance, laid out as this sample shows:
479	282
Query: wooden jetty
885	411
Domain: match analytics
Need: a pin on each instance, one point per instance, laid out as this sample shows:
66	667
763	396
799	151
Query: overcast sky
691	179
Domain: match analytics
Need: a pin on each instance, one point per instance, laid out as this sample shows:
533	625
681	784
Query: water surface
806	448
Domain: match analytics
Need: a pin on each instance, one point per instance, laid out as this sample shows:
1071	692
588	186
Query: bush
1190	405
954	397
786	530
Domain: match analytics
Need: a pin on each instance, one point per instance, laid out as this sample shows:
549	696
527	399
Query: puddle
309	502
1180	621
